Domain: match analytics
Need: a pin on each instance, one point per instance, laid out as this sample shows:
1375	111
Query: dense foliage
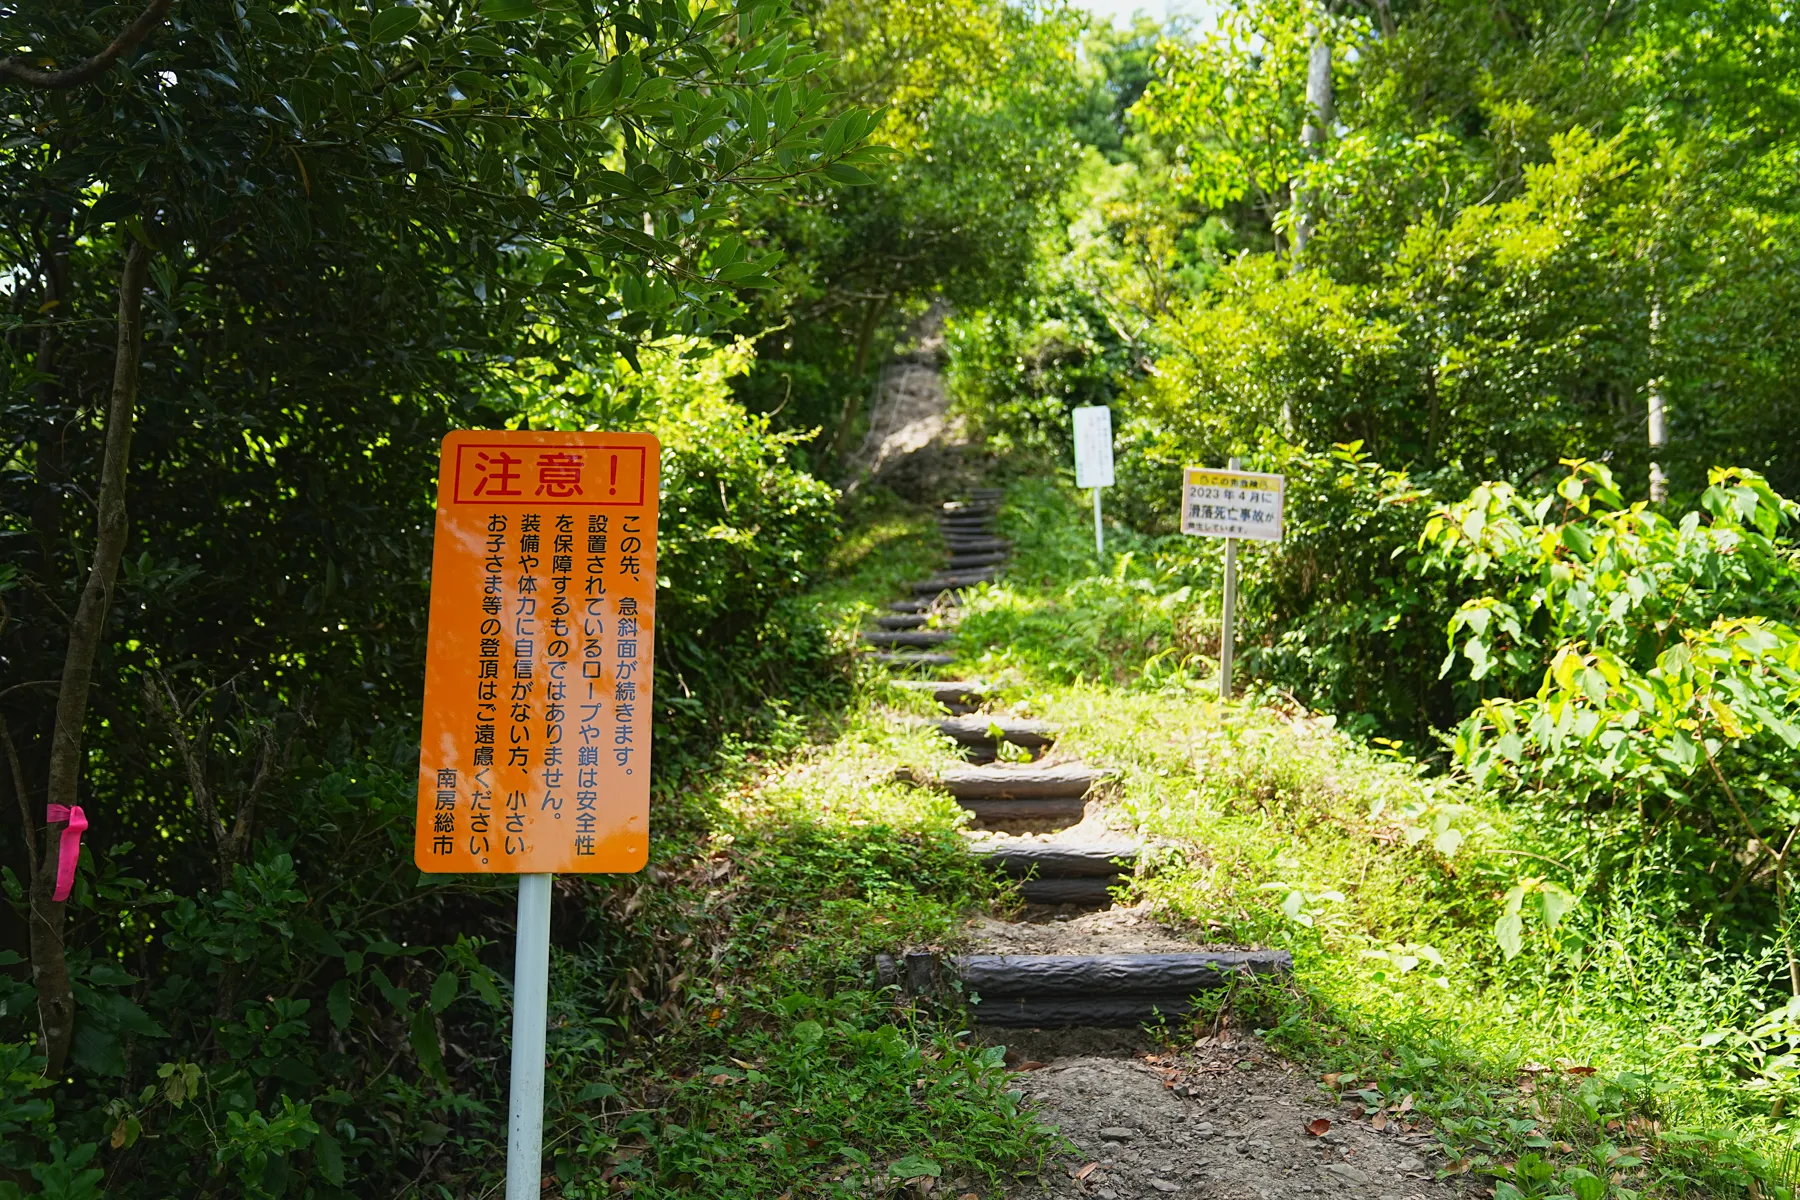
1448	267
348	231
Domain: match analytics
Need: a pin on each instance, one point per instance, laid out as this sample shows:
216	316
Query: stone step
969	507
909	637
980	730
949	582
1013	781
1087	893
968	562
920	604
1079	989
976	545
1081	873
1060	860
904	621
888	659
1012	816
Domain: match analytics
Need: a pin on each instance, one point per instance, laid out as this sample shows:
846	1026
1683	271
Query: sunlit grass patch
1386	884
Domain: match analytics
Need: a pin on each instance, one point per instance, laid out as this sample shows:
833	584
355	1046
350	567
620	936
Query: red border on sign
538	501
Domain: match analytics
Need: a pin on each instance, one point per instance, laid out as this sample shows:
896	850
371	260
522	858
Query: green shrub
742	527
1665	668
316	1017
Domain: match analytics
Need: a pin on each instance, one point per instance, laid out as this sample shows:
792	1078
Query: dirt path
1070	984
910	431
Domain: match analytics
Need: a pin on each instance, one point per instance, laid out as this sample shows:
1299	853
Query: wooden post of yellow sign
535	753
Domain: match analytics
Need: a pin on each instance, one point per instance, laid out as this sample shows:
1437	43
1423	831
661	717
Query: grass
722	1035
1582	1055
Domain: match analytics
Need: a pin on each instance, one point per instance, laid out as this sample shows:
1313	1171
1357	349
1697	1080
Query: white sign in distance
1093	447
1231	504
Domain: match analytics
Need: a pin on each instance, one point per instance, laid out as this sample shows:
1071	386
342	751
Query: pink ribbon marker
70	850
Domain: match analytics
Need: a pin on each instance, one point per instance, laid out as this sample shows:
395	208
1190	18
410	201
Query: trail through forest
910	428
1069	983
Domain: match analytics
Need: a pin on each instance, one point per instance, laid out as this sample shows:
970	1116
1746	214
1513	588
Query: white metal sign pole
531	998
1099	533
1228	621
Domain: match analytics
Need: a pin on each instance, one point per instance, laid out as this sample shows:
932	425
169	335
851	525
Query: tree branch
26	75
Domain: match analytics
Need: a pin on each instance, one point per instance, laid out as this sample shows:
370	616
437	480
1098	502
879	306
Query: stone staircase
1035	821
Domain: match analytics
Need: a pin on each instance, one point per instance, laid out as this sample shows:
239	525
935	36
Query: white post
1228	619
531	997
1099	536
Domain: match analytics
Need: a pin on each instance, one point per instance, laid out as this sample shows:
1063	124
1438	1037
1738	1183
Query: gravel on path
1226	1120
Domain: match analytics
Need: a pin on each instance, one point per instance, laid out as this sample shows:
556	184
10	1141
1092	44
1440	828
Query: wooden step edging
922	604
1064	781
950	582
1054	860
892	659
980	731
1049	810
904	621
968	562
1087	893
910	637
1078	989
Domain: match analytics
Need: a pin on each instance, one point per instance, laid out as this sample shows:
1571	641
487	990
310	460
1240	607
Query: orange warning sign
535	755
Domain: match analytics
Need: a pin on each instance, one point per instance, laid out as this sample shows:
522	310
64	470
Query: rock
1117	1133
1163	1185
1411	1165
1203	1129
1345	1173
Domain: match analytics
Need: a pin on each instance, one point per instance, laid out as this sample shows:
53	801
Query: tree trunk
1319	115
49	966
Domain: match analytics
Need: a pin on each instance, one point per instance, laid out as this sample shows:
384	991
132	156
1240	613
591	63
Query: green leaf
399	997
596	1091
484	987
844	173
1682	750
1556	903
1509	931
329	1157
508	10
1585	1185
913	1166
443	991
337	1003
1579	540
809	1033
425	1046
392	24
